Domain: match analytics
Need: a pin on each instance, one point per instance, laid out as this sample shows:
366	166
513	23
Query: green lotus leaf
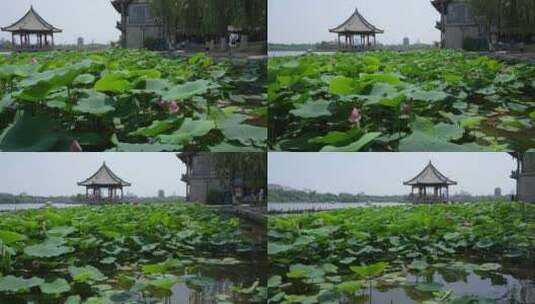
129	147
84	79
313	109
305	271
46	250
39	85
165	282
429	96
113	83
365	140
429	286
369	271
276	248
233	128
73	300
274	281
86	273
189	130
16	284
187	90
95	103
156	128
489	267
9	237
34	133
419	265
343	86
56	287
61	231
350	287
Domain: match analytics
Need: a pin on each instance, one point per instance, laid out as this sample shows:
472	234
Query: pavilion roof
430	176
440	5
356	23
117	4
31	22
104	177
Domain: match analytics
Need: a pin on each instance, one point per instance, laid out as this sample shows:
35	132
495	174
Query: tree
510	18
209	18
251	168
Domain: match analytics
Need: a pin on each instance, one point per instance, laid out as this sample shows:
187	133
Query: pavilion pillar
121	193
52	39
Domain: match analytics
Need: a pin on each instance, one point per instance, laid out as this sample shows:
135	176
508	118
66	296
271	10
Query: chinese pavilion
105	179
432	185
32	24
356	32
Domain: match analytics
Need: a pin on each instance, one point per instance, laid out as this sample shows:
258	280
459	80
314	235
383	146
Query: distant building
104	180
80	42
432	186
204	185
357	32
406	41
457	24
525	176
497	191
161	193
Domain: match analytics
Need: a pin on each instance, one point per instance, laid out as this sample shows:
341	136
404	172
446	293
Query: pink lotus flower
169	105
173	107
355	116
34	60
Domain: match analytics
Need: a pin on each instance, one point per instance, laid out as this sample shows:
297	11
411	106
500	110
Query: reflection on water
220	280
510	286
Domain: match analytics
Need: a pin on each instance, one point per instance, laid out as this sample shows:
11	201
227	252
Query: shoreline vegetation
414	254
281	194
128	252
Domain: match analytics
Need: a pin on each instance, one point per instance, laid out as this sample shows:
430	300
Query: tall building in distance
406	41
497	191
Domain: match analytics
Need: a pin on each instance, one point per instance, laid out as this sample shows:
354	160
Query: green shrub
475	44
155	44
216	197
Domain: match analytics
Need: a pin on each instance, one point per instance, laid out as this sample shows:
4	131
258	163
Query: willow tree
514	18
168	14
210	18
250	168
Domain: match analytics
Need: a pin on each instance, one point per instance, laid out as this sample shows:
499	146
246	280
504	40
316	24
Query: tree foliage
249	168
211	18
513	17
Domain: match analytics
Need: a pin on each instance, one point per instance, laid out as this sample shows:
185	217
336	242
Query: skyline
384	173
288	22
93	20
31	172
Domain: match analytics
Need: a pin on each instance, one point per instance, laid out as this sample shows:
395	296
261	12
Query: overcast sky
307	21
58	173
94	20
384	173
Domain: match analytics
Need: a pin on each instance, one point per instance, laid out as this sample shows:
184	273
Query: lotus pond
131	100
433	100
433	254
161	253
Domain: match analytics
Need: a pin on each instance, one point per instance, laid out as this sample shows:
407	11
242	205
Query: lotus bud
355	116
